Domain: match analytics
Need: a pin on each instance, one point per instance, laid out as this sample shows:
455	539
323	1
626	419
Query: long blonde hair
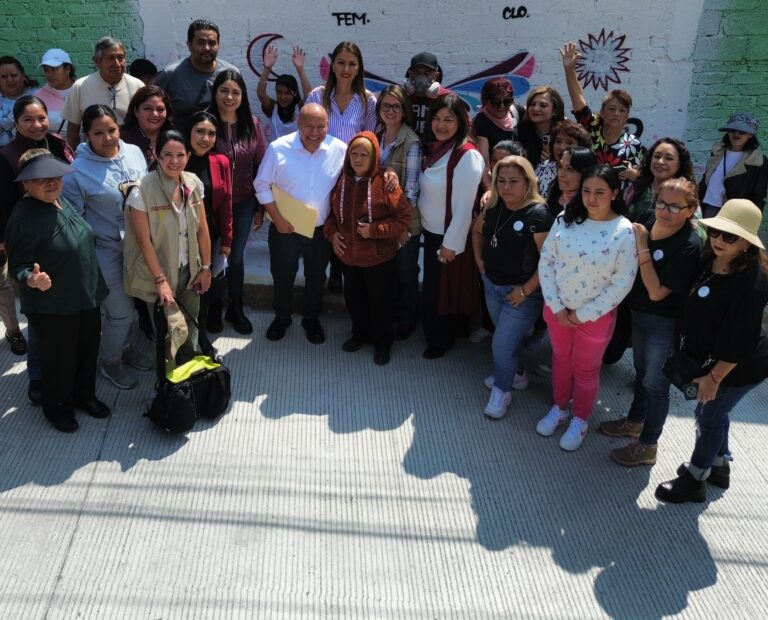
523	165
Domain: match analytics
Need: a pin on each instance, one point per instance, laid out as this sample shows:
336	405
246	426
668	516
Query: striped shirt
354	119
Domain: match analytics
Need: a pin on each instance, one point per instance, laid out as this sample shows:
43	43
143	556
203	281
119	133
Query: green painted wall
730	73
29	27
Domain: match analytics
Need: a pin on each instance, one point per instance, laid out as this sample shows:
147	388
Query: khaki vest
396	160
164	233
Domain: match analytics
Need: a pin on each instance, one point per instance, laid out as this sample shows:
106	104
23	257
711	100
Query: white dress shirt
308	177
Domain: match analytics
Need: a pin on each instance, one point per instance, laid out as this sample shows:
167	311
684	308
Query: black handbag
200	388
681	369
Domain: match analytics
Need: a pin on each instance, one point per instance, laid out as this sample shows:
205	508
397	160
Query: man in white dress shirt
306	165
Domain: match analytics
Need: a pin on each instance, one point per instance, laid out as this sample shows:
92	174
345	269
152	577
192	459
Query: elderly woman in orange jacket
363	226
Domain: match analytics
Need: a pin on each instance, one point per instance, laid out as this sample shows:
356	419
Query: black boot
719	475
235	316
684	488
213	322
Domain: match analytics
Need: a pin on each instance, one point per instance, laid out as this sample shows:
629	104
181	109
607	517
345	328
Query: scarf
505	124
434	150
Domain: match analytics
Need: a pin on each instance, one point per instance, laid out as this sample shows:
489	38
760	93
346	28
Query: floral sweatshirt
588	267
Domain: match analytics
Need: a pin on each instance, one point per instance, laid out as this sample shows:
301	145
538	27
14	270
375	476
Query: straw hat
740	217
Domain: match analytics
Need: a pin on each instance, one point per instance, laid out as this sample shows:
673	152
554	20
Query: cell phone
364	220
690	390
621	168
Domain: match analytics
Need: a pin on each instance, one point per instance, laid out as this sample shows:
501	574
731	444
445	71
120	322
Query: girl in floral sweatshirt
588	265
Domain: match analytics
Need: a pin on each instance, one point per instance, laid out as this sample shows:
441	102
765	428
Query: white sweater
588	267
432	184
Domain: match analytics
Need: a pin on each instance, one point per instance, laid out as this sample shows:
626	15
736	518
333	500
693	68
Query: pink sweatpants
577	355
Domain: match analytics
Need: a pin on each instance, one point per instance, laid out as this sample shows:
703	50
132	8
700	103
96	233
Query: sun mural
602	58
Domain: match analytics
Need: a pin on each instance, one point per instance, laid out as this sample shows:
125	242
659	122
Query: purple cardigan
245	158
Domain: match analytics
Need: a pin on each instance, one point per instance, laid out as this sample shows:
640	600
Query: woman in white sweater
451	173
588	265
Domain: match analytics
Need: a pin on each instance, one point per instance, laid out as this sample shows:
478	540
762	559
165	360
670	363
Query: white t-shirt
92	89
715	194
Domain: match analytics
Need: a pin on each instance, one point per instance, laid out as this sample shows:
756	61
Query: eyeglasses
729	238
674	209
391	107
498	103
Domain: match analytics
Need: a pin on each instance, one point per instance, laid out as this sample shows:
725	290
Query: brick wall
29	27
730	73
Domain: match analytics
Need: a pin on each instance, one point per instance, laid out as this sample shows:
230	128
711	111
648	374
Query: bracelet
160	279
714	377
645	262
208	267
645	250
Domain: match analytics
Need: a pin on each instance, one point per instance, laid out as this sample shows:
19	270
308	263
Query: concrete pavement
334	488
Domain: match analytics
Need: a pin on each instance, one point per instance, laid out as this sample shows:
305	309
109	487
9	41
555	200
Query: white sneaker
574	434
520	381
479	335
497	404
549	423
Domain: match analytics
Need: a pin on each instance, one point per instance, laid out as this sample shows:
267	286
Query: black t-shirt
722	319
516	257
529	137
676	260
201	167
485	128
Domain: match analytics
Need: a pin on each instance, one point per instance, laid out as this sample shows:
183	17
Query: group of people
547	227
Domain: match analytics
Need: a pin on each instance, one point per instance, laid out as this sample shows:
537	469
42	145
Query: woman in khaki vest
167	250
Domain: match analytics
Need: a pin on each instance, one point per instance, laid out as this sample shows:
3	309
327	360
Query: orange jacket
390	213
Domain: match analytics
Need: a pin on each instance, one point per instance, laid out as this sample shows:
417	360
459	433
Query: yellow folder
299	214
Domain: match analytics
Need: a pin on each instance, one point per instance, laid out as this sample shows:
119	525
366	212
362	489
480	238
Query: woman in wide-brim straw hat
721	328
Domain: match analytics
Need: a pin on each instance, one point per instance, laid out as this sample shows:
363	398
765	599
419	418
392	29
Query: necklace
494	239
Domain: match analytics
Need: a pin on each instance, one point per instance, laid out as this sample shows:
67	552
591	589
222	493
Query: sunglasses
729	238
674	209
498	103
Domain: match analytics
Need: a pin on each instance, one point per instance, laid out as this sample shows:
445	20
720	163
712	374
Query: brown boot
623	427
635	454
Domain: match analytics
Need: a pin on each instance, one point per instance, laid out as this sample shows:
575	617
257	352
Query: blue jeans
712	424
653	340
242	224
512	323
407	266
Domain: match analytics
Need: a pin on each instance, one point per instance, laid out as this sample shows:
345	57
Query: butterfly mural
517	69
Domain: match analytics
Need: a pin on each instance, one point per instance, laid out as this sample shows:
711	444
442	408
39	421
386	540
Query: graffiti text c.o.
350	19
510	12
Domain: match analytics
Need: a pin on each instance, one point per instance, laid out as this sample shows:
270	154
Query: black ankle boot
235	316
684	488
213	322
